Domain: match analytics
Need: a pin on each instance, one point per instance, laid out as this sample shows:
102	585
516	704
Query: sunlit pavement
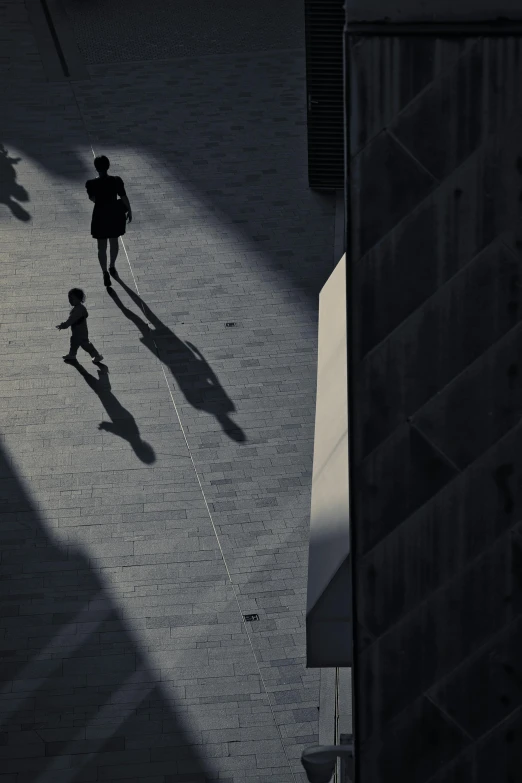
132	551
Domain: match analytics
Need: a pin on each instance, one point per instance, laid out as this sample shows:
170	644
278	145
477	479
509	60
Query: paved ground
106	32
132	548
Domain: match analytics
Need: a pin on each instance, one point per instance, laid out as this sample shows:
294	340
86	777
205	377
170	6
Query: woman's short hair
101	163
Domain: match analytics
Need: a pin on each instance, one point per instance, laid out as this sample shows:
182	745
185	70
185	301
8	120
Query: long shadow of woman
122	422
9	188
191	371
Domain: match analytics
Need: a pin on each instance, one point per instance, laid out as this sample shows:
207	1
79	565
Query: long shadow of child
122	422
191	371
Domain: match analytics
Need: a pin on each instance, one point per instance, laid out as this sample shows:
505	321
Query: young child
78	322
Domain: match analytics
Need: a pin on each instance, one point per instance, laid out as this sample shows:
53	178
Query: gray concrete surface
107	33
435	247
130	552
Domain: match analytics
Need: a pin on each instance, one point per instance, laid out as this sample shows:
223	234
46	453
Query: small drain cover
250	618
231	323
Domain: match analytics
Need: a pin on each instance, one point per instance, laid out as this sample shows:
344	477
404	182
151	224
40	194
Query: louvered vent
324	25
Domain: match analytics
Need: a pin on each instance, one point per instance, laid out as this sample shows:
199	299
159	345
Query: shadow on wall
10	191
73	680
192	373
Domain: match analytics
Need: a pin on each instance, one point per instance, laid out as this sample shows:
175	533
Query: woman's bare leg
102	254
114	247
102	258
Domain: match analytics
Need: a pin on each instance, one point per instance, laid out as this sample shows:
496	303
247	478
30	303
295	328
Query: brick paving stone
238	25
123	641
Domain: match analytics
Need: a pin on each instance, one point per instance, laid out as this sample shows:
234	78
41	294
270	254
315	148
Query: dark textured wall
435	243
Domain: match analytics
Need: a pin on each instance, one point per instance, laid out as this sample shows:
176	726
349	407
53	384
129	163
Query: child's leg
74	345
90	349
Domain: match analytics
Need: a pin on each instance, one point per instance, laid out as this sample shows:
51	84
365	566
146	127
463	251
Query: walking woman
109	214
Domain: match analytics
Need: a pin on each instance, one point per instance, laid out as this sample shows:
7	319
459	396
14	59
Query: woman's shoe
107	279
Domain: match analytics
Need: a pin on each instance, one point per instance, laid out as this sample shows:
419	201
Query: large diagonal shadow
192	373
11	192
77	694
122	422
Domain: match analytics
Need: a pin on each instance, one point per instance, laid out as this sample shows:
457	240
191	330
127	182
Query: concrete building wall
435	287
328	604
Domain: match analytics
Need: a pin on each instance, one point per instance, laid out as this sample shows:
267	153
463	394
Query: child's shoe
97	359
69	358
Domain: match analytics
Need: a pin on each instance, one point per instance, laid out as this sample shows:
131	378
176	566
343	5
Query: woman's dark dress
108	215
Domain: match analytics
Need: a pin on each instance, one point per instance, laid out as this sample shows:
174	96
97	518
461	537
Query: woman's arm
127	204
123	195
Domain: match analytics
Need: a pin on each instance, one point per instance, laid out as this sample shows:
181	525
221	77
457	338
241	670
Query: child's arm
65	324
74	316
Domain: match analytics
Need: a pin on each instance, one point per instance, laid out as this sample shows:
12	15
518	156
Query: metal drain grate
231	323
251	618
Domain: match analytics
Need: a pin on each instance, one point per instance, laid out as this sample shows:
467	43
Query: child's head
76	296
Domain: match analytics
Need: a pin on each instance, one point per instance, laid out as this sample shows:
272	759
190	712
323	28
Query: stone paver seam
198	480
